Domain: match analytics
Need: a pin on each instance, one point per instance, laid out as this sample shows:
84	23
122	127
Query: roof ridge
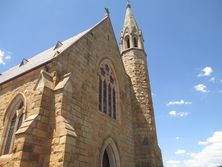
39	59
86	32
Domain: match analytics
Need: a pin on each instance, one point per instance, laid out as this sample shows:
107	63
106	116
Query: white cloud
178	114
201	88
215	80
191	154
177	138
180	151
4	57
210	155
212	79
173	113
182	114
202	142
8	57
179	102
205	72
173	163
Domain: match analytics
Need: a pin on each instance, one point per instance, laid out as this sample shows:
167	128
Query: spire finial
128	4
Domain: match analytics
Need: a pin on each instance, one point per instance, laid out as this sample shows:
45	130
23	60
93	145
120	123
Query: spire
131	35
135	63
130	21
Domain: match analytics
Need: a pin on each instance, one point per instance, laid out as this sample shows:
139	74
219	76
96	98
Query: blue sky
183	42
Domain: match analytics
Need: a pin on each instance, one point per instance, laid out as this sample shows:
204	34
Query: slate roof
39	59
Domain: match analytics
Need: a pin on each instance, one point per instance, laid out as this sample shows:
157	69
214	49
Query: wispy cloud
201	88
177	138
180	151
178	114
178	102
202	142
173	113
215	80
212	79
210	155
207	71
173	163
154	94
4	56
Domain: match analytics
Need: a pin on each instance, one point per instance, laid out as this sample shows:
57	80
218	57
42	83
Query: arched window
127	40
135	42
14	118
107	91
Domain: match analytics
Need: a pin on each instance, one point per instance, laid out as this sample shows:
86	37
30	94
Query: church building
85	102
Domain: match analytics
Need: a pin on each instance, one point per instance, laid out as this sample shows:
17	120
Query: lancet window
135	42
15	117
127	40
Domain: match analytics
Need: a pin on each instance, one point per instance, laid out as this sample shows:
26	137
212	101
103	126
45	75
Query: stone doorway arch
109	155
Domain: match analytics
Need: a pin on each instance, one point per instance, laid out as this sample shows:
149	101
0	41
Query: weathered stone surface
63	125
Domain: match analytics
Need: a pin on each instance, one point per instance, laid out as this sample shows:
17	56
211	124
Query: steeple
131	35
134	57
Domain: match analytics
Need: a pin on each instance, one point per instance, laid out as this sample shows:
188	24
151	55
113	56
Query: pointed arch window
15	117
107	88
127	40
135	41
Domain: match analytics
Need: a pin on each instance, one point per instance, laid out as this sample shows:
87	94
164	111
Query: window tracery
107	93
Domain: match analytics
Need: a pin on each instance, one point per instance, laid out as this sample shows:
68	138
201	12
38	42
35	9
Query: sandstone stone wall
81	112
63	125
31	144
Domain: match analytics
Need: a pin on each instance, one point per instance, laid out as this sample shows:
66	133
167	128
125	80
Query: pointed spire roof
131	35
130	21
